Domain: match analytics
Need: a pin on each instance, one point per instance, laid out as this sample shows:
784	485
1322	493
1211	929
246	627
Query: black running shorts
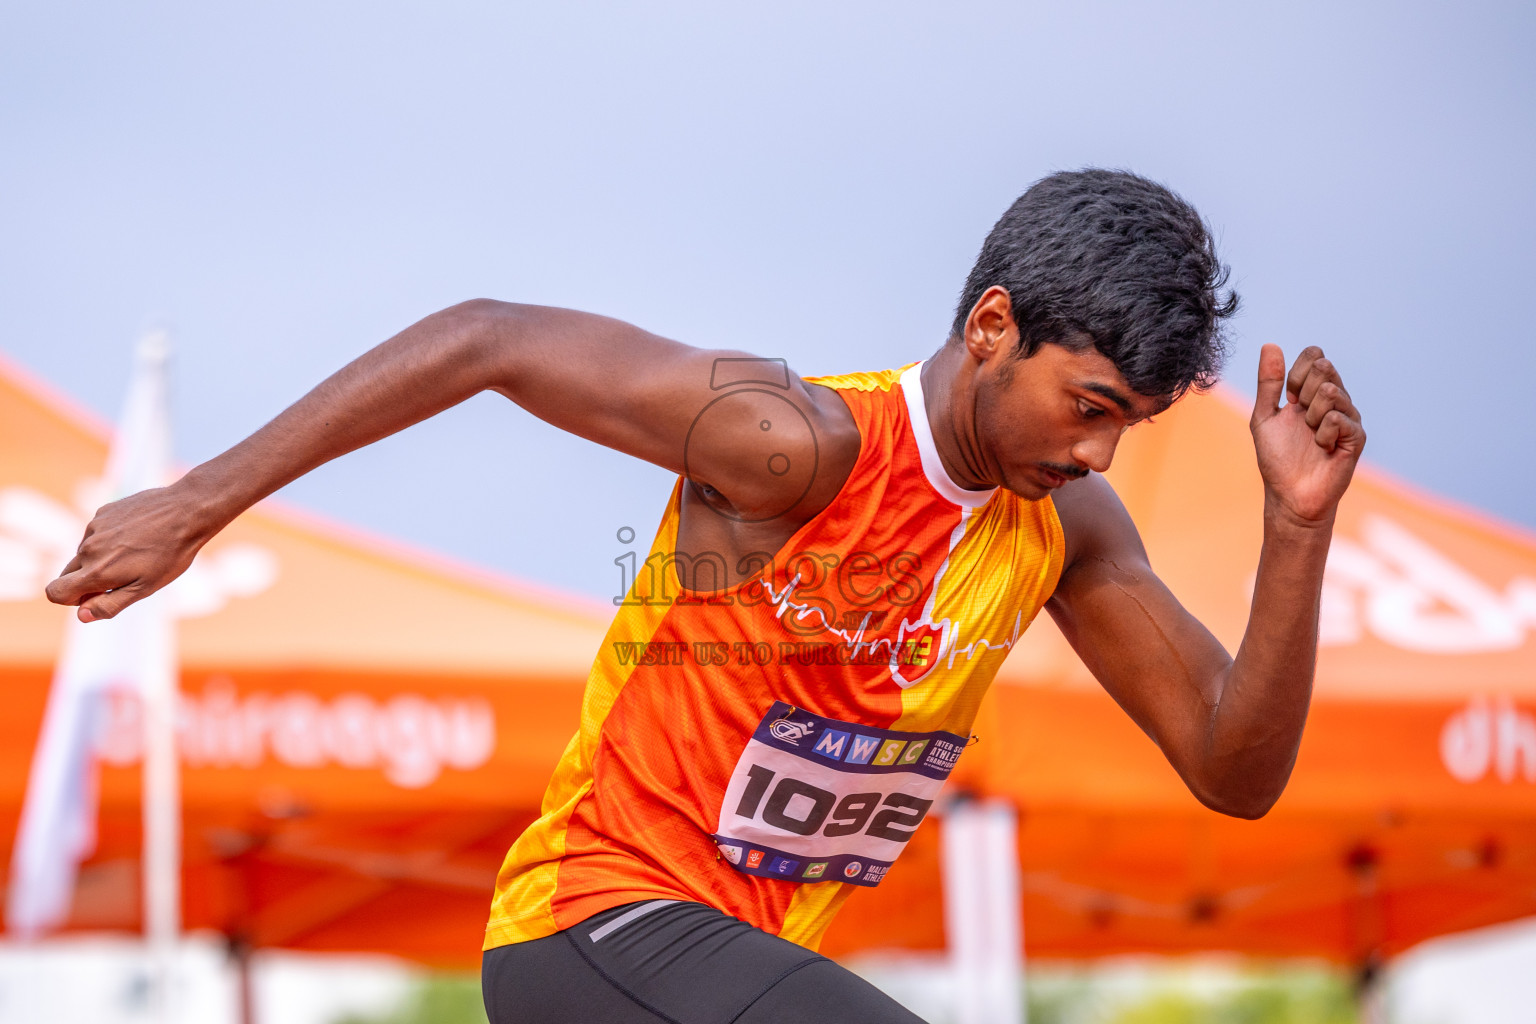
667	962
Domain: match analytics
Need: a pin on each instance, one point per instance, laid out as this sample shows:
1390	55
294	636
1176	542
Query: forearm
1261	707
426	368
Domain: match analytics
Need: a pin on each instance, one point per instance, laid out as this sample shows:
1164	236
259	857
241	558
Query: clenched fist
131	549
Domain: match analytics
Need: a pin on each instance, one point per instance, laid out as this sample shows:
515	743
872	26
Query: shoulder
1094	524
837	440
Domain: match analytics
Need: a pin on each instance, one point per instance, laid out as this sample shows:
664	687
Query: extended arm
1231	727
590	375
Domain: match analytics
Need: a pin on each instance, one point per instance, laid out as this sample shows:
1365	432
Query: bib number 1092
894	818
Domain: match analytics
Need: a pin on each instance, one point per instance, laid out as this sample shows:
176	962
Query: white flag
132	652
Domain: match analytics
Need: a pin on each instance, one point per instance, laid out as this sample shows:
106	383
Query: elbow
484	333
1249	802
478	318
1248	810
479	309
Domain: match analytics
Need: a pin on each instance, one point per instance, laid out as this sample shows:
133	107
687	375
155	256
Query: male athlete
841	569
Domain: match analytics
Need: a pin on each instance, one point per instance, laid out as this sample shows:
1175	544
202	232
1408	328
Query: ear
990	328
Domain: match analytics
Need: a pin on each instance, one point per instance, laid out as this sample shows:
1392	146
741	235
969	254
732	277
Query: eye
1087	410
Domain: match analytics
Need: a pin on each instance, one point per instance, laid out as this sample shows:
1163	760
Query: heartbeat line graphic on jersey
919	645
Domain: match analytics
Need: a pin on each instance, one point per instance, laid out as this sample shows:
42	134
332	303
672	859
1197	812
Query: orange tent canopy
364	730
1412	809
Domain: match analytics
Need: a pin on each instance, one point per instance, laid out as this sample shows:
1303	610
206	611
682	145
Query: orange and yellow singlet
768	748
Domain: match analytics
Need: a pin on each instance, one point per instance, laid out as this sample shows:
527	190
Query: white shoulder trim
922	433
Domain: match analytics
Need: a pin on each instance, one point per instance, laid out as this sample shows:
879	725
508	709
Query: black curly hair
1111	259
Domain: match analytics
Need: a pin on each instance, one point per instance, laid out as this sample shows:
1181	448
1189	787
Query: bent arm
593	376
1230	727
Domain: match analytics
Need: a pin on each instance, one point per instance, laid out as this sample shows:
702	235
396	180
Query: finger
1299	371
1340	433
73	585
81	585
1271	382
1323	372
108	605
1351	436
1327	398
1327	435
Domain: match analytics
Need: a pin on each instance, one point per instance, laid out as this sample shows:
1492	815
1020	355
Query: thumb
108	604
1271	383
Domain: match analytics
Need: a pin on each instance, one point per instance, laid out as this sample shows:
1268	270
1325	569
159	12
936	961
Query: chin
1026	488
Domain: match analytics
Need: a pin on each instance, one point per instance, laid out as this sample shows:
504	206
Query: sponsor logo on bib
789	731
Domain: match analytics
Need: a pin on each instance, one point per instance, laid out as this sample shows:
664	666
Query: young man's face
1053	417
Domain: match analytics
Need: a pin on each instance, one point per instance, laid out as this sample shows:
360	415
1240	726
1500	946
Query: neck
948	395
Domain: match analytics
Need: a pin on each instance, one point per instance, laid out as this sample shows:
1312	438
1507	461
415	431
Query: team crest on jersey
919	647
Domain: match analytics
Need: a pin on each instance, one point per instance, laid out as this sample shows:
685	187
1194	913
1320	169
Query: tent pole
981	910
1364	864
1370	991
240	957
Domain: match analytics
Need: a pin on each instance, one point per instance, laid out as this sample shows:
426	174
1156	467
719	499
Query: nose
1097	450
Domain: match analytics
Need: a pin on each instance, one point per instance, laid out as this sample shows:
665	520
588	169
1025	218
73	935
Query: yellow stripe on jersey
521	908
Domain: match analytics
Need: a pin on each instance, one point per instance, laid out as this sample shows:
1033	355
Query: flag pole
161	778
132	654
162	831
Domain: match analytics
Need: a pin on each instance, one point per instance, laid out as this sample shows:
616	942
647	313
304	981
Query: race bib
813	799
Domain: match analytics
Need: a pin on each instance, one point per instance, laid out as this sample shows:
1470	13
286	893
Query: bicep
1154	658
697	412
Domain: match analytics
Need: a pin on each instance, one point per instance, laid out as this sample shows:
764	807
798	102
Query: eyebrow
1109	392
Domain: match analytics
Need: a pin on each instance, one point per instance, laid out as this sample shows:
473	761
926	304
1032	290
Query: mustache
1070	472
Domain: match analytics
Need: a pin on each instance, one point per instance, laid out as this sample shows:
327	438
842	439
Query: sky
284	185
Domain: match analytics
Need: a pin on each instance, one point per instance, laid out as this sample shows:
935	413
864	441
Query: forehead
1089	371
